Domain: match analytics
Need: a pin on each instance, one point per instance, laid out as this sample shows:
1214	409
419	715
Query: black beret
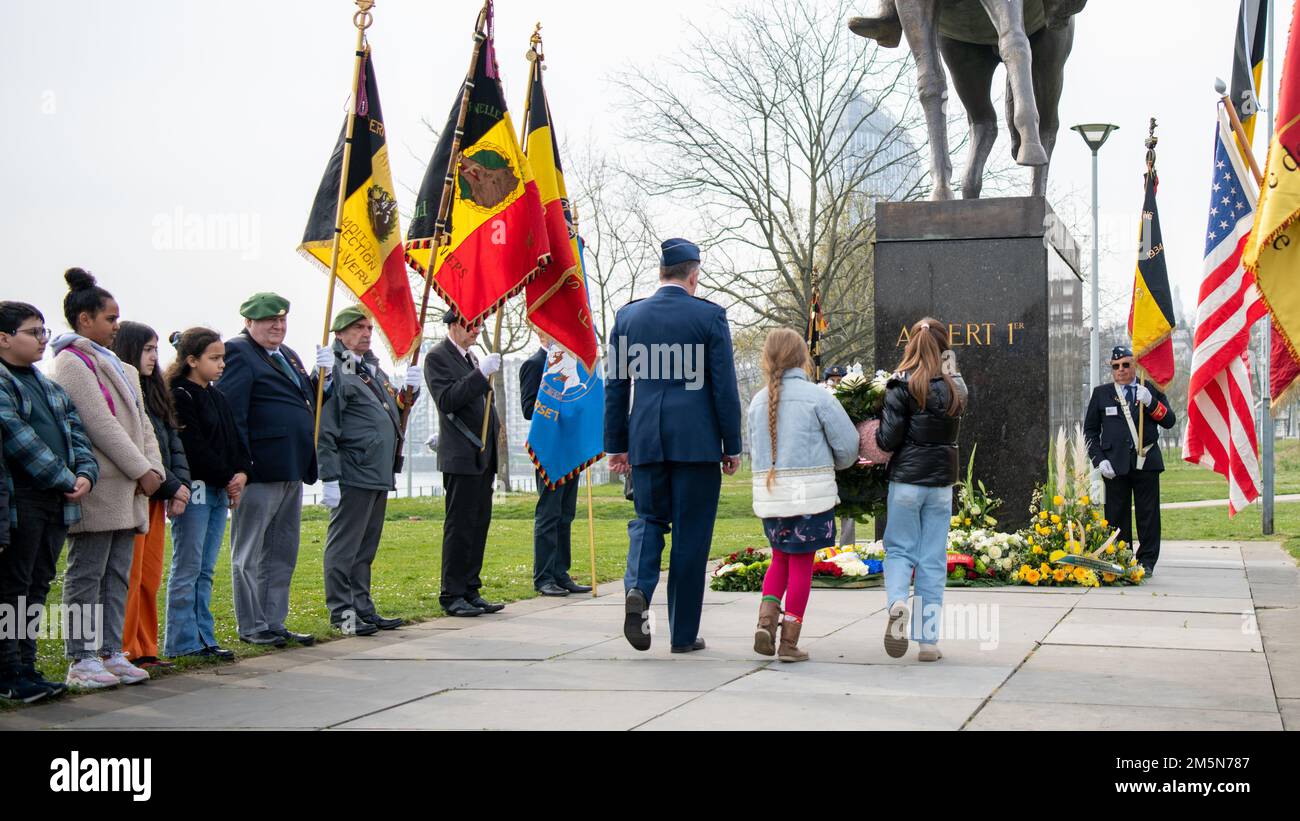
1120	352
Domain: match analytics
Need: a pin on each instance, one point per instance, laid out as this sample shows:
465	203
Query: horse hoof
941	193
1031	154
886	31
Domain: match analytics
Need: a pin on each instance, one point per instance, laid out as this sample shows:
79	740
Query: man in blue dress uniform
672	417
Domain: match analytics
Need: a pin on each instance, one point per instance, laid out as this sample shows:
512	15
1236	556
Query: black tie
470	359
1130	394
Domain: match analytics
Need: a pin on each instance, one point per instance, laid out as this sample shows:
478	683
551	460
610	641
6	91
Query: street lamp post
1095	135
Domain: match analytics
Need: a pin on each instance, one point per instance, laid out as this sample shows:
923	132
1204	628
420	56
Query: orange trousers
140	630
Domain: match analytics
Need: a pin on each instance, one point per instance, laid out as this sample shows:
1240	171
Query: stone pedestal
1004	275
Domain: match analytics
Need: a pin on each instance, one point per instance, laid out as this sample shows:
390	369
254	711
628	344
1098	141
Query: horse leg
1051	49
920	25
1008	18
972	67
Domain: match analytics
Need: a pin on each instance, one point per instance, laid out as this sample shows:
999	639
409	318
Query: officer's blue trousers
682	498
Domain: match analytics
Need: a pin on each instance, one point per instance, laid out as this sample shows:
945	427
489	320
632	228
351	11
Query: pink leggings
790	575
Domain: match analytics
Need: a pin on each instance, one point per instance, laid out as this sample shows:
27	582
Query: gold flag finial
363	18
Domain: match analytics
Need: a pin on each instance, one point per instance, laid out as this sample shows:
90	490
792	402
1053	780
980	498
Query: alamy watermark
64	622
666	362
180	230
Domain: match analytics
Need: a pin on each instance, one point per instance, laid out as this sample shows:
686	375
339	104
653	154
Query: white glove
490	364
432	442
324	359
331	495
413	378
1106	469
1144	395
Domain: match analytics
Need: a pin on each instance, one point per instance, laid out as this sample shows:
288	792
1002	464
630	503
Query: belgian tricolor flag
557	298
494	239
370	240
1151	313
1248	61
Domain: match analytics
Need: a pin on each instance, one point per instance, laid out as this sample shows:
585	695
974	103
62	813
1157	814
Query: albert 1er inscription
1005	277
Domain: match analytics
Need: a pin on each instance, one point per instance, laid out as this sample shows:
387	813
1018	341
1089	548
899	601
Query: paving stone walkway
1211	642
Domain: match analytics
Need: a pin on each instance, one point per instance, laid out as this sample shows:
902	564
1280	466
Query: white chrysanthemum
995	551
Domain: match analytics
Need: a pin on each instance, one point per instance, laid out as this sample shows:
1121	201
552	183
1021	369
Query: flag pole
362	20
444	205
1240	132
1268	468
591	536
487	405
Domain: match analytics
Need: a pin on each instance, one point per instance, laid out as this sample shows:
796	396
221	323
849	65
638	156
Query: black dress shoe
552	589
485	605
355	627
636	626
460	607
573	587
698	644
266	638
216	652
305	639
383	623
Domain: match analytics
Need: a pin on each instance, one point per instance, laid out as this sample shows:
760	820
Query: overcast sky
127	123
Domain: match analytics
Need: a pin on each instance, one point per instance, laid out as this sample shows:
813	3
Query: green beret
346	317
264	306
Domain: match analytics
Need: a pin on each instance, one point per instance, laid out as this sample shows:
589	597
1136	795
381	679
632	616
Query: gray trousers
350	547
264	533
94	592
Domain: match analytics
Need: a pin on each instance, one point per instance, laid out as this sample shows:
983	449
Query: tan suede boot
789	638
769	613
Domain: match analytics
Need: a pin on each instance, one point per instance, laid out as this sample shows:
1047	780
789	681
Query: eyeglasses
39	334
1115	366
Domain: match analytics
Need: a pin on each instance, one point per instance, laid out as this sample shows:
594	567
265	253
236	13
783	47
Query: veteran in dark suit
556	508
1132	478
273	400
458	385
672	416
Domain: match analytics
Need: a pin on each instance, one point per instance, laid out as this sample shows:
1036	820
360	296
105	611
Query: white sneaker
125	670
89	674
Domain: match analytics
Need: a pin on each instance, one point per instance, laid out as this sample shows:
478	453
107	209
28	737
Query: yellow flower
956	520
1109	577
1042	514
1056	520
1081	573
1132	562
1110	551
1058	575
1058	528
1030	539
967	520
1037	550
1032	577
1083	500
1044	568
1076	549
1096	516
1087	528
1055	554
1058	500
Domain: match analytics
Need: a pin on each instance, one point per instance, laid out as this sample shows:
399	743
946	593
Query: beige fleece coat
124	446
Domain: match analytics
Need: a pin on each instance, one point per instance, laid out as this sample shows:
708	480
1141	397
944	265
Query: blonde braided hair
783	349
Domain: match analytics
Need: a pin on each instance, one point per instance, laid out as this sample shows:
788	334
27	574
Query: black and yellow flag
370	240
495	237
1151	313
816	327
1248	61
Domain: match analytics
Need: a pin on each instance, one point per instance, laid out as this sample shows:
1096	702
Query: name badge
1112	411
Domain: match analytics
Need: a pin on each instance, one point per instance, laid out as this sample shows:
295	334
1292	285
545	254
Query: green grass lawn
405	580
406	572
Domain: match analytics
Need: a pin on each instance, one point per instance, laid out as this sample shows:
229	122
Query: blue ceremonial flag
568	427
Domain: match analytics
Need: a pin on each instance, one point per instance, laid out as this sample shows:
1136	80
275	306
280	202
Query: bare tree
614	220
781	132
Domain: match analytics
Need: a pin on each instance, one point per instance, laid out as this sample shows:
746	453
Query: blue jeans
916	538
196	543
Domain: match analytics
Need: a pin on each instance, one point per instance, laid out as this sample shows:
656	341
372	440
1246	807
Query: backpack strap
90	363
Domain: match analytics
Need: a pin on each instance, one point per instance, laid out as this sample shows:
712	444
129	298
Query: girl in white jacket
799	436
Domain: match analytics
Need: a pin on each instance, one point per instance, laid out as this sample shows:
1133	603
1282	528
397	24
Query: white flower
995	552
1005	564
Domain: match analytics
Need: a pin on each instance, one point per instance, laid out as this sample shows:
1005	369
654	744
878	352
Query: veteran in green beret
359	454
273	399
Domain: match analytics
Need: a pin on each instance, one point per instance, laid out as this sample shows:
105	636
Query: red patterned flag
1220	412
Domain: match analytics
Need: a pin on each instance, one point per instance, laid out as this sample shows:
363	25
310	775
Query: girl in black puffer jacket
919	425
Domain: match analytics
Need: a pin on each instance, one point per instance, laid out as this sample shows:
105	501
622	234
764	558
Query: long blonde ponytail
783	349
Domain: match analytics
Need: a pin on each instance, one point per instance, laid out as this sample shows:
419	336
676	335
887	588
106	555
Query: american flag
1220	412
